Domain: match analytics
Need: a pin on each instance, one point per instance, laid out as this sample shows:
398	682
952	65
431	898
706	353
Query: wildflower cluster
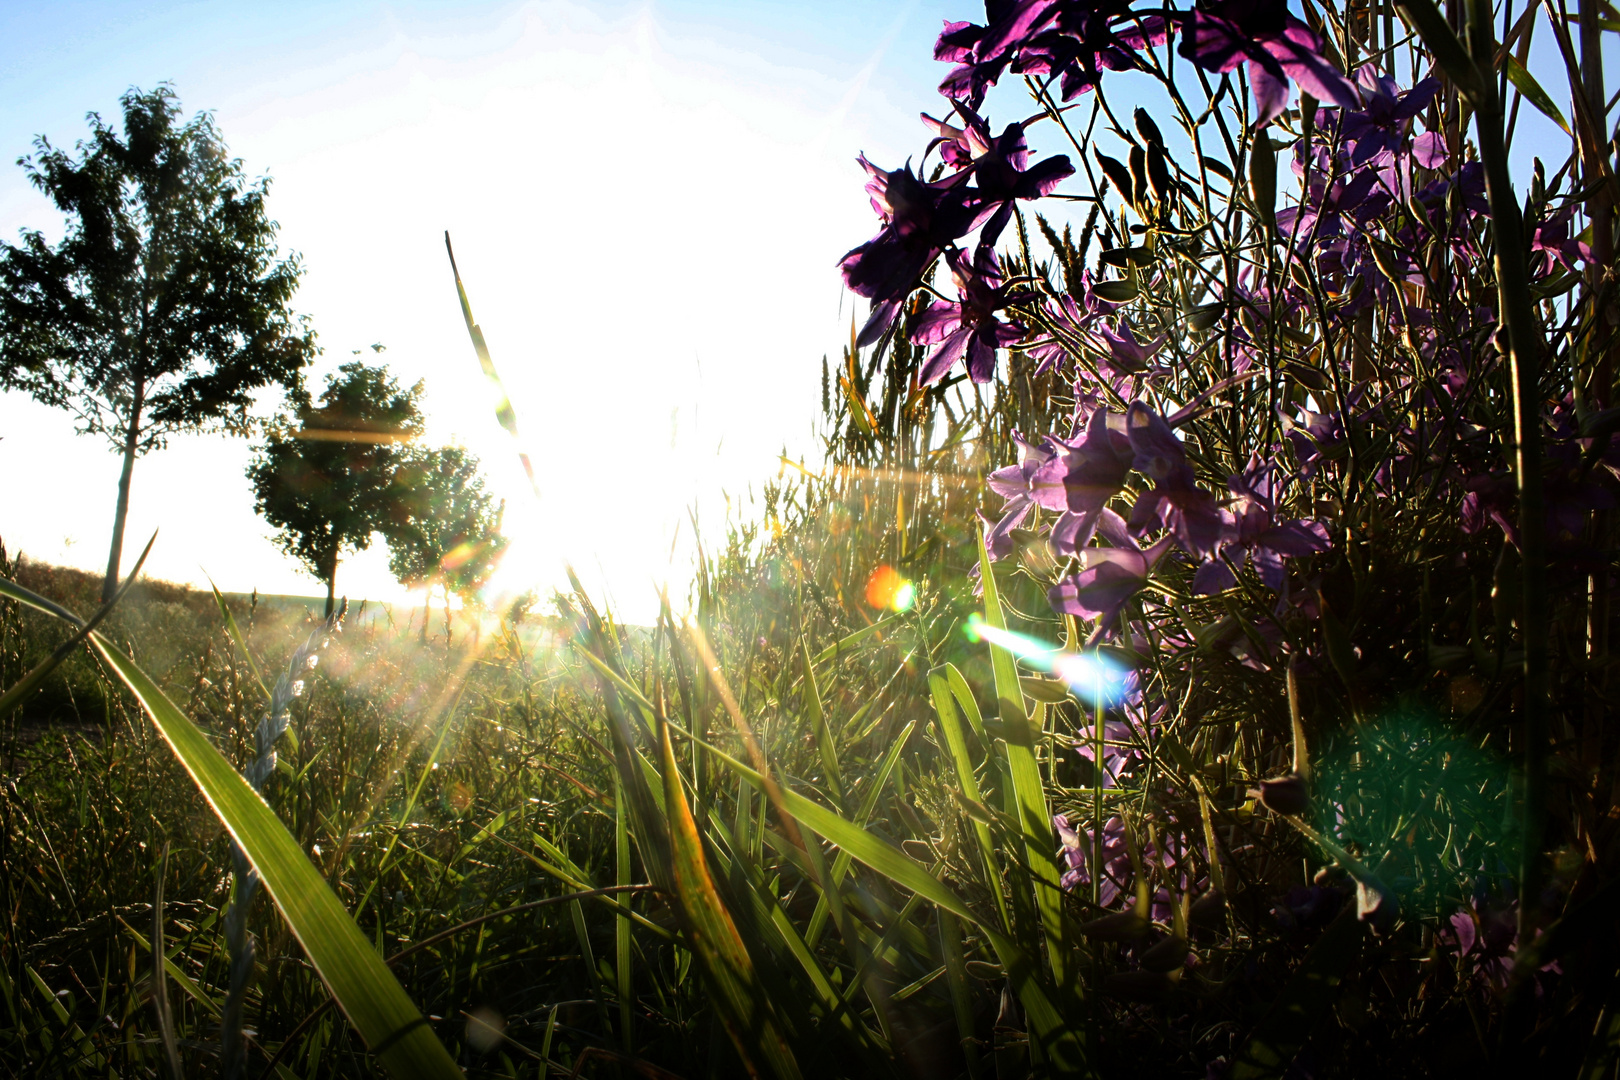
1290	441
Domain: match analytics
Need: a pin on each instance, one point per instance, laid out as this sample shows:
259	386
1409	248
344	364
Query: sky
647	201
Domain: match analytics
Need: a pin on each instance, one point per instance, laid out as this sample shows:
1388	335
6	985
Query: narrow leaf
367	992
1527	85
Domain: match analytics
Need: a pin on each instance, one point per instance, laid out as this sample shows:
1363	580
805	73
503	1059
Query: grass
782	834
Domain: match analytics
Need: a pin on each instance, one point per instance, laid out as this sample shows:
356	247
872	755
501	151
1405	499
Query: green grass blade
1028	791
1064	1045
744	1010
956	977
818	919
818	724
235	634
621	938
367	992
939	685
845	644
970	707
1527	85
20	690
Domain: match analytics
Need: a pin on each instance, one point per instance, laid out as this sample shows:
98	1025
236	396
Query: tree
450	532
332	475
165	305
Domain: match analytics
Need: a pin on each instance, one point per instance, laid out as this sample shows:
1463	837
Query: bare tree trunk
331	582
132	434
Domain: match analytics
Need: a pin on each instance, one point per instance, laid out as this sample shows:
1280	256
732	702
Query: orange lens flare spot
887	590
458	555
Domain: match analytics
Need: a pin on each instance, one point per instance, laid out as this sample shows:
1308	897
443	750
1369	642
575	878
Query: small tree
450	532
164	307
329	476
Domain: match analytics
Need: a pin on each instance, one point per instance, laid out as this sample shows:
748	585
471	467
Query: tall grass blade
18	692
1065	1047
950	726
746	1012
504	413
1029	794
367	992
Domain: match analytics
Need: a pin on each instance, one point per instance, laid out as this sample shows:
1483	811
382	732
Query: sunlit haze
647	203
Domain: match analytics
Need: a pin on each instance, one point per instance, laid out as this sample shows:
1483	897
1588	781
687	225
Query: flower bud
1285	795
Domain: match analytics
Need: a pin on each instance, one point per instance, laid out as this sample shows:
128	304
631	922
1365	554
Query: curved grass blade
1527	85
1065	1046
504	413
745	1011
391	1026
369	995
1029	794
15	694
235	634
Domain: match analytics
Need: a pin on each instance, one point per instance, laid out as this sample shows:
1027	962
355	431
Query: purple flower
1378	129
920	220
969	327
968	81
1086	39
1068	317
1276	46
1084	474
1076	853
1109	576
1000	164
1019	487
1187	511
1552	242
1004	175
1256	533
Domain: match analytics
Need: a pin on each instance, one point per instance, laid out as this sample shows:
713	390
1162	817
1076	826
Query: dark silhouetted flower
1256	533
1378	129
1285	795
1187	511
1277	47
1019	487
1085	473
920	221
1109	577
968	327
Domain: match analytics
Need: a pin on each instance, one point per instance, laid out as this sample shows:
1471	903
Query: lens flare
1090	676
887	590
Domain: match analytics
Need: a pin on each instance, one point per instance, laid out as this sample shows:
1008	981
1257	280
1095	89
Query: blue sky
647	202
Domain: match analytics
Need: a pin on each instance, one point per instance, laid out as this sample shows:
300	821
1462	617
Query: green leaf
1431	25
1034	820
1116	292
1526	84
364	988
745	1011
1127	256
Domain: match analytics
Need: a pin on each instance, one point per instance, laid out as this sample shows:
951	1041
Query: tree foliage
450	530
333	474
164	307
